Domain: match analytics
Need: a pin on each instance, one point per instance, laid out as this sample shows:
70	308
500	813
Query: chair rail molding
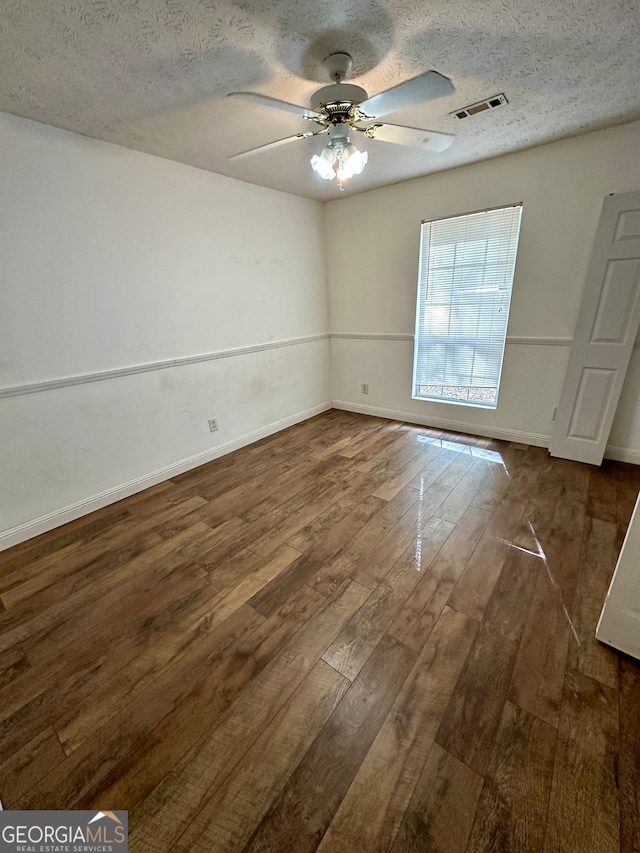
101	375
526	340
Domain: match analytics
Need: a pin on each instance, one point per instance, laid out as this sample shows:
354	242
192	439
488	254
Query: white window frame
422	290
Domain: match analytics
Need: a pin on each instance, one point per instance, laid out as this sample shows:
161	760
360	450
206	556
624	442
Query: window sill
472	404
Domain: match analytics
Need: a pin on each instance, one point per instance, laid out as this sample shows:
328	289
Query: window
464	292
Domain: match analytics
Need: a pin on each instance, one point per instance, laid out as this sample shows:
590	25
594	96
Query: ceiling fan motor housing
338	98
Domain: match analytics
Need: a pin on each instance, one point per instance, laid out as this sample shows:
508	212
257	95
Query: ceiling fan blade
275	144
266	101
432	140
419	89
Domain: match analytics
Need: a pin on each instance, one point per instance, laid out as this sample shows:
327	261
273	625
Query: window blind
464	292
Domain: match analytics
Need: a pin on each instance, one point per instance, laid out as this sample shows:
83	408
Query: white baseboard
15	535
18	534
622	454
446	423
619	454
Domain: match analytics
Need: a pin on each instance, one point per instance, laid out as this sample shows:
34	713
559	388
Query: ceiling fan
342	107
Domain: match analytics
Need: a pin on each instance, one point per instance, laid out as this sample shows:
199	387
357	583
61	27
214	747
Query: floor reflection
540	554
470	450
419	524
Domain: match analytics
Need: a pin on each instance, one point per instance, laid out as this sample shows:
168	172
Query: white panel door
606	331
619	624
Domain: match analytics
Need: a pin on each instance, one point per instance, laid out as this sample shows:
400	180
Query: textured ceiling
152	75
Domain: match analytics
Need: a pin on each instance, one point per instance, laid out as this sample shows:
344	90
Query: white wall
112	259
373	263
115	262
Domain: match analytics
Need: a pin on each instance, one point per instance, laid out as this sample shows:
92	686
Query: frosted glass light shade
323	164
354	165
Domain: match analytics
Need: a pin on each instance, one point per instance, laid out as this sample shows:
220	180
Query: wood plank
167	812
141	769
282	524
110	608
335	570
321	527
414	623
598	560
298	818
370	814
93	648
135	616
225	524
458	439
157	562
304	568
48	689
257	497
476	584
202	614
470	723
511	478
285	459
272	514
627	480
68	583
440	814
435	469
374	442
224	473
602	497
27	766
359	431
583	808
454	473
401	478
83	528
525	475
227	819
27	581
550	490
13	663
512	811
76	779
372	569
131	633
394	455
538	677
455	504
570	510
493	490
629	760
359	637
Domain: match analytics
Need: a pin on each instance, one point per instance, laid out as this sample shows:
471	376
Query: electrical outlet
365	387
213	424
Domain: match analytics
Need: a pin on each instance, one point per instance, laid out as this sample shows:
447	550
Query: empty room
319	426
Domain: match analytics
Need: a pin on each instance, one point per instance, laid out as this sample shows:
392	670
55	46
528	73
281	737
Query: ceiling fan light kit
340	158
342	107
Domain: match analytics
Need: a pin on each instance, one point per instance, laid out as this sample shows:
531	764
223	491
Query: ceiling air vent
481	106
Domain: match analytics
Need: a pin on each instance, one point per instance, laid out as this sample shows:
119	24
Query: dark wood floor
356	635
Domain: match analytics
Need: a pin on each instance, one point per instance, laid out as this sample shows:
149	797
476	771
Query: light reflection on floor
495	457
540	554
457	447
470	450
418	554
